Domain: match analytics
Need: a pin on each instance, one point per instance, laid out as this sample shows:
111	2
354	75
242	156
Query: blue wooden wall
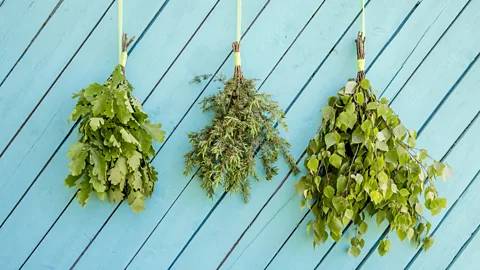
422	55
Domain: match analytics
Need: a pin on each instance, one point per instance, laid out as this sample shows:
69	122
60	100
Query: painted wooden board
46	129
422	54
467	258
51	51
298	250
20	22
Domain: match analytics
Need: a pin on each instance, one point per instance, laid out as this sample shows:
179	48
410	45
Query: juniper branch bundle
242	127
111	159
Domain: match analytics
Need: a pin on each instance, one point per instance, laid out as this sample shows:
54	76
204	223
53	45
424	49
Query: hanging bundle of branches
111	159
243	126
363	161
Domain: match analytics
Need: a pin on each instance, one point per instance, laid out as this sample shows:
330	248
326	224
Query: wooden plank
468	258
282	200
450	126
21	21
44	60
461	159
203	52
453	57
273	47
171	228
44	199
47	127
455	230
305	251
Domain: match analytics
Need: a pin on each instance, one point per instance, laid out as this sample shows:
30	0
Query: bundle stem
360	42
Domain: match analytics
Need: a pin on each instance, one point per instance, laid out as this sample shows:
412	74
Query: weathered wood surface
422	55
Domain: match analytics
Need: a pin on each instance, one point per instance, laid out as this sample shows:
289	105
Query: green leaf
404	192
382	146
127	137
384	247
328	113
371	106
335	160
360	98
355	251
84	190
427	243
401	235
94	89
365	84
350	87
399	131
335	225
419	209
154	130
300	186
363	227
71	180
78	163
376	196
341	183
329	191
381	215
96	122
118	172
349	213
339	204
358	136
134	161
382	109
99	164
410	234
330	139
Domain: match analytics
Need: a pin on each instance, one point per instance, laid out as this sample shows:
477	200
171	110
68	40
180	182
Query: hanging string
360	42
236	44
238	61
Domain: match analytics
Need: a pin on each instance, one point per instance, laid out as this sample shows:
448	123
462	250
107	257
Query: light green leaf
341	183
376	196
329	191
330	139
134	161
154	131
96	123
335	161
127	137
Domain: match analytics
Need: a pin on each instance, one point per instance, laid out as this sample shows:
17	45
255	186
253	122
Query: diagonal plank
456	58
270	239
49	208
469	253
163	44
162	241
273	46
218	23
428	40
455	230
22	22
27	83
232	214
306	248
429	139
40	137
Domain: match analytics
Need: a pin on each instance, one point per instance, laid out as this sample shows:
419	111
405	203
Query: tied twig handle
125	44
238	65
360	42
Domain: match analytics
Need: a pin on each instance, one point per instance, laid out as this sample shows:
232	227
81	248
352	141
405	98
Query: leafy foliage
243	124
363	158
111	159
